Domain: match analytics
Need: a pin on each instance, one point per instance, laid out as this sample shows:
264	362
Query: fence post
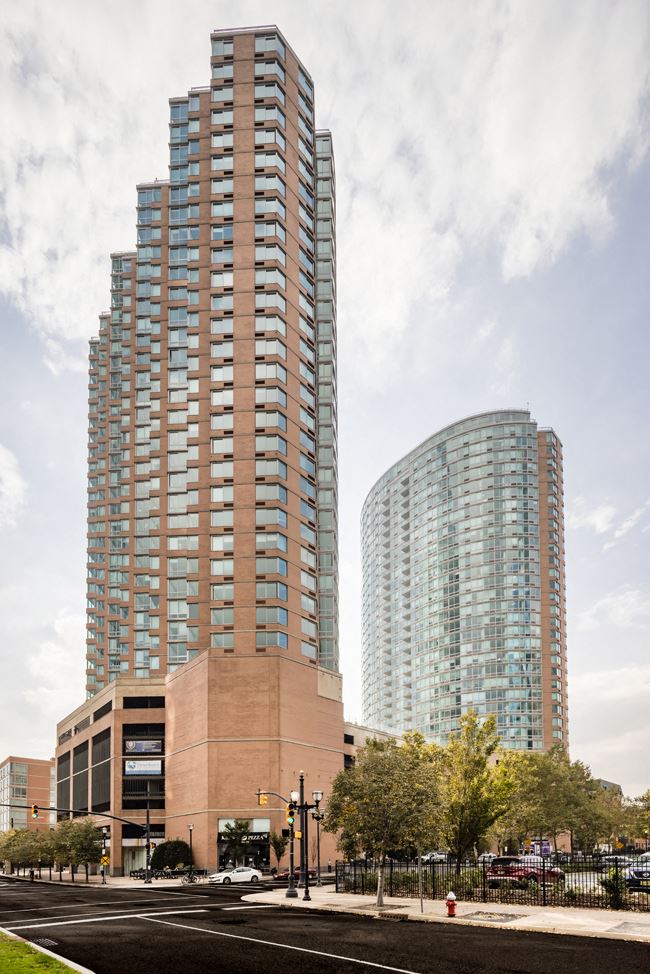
432	867
616	898
484	880
543	881
390	879
354	875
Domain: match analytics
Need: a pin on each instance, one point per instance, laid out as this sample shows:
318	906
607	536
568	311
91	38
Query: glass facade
457	586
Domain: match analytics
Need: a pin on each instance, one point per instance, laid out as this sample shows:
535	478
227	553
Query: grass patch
17	957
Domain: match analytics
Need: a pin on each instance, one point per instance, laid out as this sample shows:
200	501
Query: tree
377	805
170	854
279	845
77	842
474	794
237	838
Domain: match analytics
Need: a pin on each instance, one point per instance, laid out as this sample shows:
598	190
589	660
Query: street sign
105	861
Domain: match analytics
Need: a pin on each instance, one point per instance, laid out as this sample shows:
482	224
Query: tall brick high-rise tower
212	457
212	483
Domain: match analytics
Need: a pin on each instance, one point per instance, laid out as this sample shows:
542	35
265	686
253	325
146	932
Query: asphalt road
144	930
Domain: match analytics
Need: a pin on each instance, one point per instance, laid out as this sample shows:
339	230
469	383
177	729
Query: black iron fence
608	882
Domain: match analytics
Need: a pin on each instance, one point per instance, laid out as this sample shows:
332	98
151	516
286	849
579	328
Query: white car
242	874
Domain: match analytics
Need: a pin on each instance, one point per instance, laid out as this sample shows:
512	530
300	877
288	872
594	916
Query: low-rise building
25	782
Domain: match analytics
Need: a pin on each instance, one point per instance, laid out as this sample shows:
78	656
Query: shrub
615	889
169	854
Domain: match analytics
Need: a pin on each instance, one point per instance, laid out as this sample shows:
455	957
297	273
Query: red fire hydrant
451	904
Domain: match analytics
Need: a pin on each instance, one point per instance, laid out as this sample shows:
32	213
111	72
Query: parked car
637	875
487	857
611	862
514	869
435	857
242	874
296	873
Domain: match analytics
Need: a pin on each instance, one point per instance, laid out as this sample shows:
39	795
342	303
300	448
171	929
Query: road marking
62	906
271	943
254	906
123	916
70	916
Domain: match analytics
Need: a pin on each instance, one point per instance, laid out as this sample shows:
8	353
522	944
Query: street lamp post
318	818
304	838
104	831
191	829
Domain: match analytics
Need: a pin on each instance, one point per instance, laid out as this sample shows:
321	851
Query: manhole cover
44	942
494	917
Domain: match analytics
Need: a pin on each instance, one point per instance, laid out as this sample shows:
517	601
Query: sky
493	223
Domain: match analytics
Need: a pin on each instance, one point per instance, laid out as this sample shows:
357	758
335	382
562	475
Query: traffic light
34	811
262	798
291	811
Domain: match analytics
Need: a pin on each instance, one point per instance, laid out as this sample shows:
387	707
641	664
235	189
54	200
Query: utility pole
147	868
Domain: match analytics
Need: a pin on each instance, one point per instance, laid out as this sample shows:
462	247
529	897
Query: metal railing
607	882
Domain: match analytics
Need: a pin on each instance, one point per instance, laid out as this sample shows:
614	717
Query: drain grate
494	917
44	942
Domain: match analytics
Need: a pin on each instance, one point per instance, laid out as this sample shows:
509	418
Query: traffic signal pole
147	867
262	799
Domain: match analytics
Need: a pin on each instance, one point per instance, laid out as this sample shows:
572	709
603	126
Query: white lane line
254	906
71	916
102	919
62	906
271	943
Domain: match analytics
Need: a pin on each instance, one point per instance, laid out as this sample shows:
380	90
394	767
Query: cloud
55	667
43	677
454	135
13	488
627	525
599	518
608	724
627	609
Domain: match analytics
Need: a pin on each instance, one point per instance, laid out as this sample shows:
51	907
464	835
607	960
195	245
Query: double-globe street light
317	816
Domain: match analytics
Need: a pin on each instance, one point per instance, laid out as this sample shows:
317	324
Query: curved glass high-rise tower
463	584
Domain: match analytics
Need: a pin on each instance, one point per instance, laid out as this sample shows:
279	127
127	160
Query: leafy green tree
170	854
77	842
279	845
377	805
237	838
474	794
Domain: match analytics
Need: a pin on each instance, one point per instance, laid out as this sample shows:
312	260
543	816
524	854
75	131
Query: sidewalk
613	924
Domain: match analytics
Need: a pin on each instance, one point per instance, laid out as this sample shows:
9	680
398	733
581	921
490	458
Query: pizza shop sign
249	837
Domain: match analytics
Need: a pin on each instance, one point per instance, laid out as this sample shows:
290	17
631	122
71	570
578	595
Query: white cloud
453	133
56	667
627	525
609	727
13	488
626	609
599	518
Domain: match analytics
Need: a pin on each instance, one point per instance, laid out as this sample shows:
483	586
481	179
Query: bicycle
189	878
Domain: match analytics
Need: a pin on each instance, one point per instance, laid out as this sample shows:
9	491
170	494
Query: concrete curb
394	912
70	964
